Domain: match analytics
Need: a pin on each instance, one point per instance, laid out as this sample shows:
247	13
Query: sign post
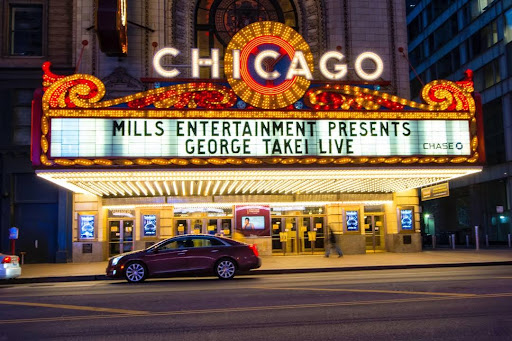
13	235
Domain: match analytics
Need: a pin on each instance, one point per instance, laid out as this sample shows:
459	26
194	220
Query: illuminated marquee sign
89	137
269	65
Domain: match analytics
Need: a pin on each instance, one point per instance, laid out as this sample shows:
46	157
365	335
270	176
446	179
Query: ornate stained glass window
217	21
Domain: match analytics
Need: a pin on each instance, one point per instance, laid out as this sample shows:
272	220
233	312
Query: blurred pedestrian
332	243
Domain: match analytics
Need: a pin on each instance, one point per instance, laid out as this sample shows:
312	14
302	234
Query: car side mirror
155	250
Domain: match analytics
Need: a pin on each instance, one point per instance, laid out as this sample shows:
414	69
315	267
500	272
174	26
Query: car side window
215	242
206	242
172	245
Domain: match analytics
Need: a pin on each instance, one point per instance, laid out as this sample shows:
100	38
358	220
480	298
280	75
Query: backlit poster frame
349	215
406	219
145	217
260	214
87	221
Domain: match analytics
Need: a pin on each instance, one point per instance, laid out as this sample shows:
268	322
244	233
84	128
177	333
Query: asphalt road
416	304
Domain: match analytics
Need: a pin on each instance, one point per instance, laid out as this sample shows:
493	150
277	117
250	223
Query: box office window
25	30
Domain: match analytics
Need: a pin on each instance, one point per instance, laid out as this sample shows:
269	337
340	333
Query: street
467	303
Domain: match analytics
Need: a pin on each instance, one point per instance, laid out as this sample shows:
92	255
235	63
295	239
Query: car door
205	252
168	257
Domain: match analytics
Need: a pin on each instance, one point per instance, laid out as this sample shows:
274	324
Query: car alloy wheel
225	269
135	272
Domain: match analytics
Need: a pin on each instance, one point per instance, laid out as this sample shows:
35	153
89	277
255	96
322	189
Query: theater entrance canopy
256	132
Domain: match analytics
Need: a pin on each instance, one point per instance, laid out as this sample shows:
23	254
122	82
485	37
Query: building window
509	59
417	55
445	33
448	64
219	20
435	8
479	6
415	28
493	130
483	39
487	76
25	30
508	26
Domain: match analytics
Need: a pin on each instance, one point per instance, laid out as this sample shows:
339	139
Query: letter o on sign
379	66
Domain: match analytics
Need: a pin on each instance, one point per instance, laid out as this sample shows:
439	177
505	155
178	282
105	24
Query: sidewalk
34	273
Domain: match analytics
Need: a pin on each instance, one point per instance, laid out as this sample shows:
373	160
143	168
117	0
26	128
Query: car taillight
254	249
6	260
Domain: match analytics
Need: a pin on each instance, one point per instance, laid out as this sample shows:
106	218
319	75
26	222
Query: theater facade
262	152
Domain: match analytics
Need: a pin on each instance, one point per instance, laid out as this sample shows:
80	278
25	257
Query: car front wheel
225	269
135	272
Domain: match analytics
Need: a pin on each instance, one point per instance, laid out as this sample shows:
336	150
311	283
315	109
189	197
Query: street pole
453	241
509	241
477	238
433	241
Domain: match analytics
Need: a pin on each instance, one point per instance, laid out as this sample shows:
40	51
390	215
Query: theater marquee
259	115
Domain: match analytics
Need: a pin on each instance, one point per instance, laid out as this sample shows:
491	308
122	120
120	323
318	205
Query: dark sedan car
188	254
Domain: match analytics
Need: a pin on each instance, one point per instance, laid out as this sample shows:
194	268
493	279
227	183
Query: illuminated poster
352	220
406	219
86	226
253	220
149	225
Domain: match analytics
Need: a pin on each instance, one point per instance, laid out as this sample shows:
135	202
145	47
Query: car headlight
116	260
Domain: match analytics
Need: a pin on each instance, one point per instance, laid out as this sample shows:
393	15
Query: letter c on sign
157	65
379	66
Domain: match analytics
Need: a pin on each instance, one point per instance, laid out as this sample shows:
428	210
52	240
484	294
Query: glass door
181	227
290	228
198	225
374	232
120	236
312	234
225	227
114	240
277	245
212	226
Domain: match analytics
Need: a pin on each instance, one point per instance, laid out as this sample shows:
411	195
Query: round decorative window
233	15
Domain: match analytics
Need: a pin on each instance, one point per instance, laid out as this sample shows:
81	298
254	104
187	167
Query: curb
84	278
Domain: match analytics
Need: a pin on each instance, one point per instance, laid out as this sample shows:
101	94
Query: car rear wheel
225	269
135	272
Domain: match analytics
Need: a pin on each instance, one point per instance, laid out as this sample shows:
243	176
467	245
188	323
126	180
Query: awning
201	183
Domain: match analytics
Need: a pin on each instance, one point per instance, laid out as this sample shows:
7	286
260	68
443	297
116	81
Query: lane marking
252	309
366	291
74	307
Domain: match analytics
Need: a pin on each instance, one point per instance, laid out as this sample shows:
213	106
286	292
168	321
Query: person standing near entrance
332	243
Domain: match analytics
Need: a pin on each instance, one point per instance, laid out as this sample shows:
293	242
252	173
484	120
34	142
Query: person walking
333	243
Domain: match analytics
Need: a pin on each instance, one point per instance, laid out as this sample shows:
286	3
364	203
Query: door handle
214	251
